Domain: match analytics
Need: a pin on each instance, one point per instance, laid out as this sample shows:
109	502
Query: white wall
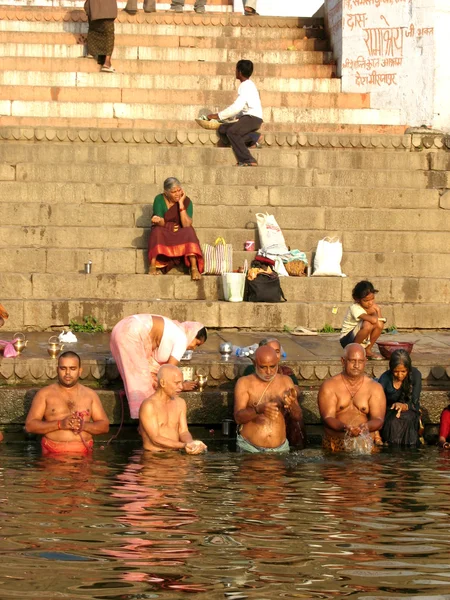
441	111
398	50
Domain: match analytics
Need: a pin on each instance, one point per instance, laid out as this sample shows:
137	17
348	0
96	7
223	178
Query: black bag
264	288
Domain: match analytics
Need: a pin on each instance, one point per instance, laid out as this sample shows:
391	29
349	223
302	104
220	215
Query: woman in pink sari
140	344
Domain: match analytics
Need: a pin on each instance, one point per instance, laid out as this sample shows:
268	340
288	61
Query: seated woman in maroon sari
172	237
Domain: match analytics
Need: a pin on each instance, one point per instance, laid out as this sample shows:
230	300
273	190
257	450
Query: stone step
165	112
41	315
130	261
144	29
13	153
59	13
196	98
79	80
260	197
222	175
173	67
140	40
163	54
139	287
81	237
213	6
173	128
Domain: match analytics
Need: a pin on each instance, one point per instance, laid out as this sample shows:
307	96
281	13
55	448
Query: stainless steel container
226	426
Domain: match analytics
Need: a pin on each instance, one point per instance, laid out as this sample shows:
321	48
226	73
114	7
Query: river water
224	526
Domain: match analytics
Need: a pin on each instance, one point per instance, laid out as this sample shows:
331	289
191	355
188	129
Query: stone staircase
83	153
45	79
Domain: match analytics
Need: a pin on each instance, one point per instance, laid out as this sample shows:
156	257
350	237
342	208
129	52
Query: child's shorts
349	337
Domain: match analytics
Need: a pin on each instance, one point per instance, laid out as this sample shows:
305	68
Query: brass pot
19	343
54	347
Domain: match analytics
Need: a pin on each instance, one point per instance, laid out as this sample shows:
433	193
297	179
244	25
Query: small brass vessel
54	346
202	378
19	343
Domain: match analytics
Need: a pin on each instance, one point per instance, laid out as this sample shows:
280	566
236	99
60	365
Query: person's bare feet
195	274
154	271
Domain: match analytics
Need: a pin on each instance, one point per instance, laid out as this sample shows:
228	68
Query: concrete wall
398	51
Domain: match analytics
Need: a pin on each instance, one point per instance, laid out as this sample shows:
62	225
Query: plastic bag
218	257
327	261
270	235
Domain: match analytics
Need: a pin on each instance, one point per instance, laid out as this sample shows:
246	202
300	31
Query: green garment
160	207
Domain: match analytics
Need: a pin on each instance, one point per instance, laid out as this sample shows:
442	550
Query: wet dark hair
363	289
401	357
69	354
202	335
245	67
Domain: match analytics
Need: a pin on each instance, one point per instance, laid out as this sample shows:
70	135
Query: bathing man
260	403
350	403
67	414
162	417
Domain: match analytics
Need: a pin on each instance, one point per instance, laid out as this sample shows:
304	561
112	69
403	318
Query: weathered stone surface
203	407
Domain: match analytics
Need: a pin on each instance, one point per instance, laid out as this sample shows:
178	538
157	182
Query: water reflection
130	526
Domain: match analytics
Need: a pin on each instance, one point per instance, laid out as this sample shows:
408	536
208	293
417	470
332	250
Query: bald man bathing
260	403
162	417
350	403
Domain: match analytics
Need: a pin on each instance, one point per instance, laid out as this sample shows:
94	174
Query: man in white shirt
248	110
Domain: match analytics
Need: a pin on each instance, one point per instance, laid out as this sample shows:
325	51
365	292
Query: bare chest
168	417
63	406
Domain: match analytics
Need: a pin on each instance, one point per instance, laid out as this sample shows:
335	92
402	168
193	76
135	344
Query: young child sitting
363	322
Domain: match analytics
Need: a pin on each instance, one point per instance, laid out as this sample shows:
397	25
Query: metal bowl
225	348
387	348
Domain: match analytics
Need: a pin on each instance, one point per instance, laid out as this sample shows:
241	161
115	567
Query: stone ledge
221	374
203	137
203	407
217	20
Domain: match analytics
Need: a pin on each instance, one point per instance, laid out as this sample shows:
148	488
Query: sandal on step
303	331
108	69
375	357
250	12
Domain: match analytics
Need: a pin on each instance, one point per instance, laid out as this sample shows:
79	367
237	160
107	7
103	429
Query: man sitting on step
248	111
67	414
260	403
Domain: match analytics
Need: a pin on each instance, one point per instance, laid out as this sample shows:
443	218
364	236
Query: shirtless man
350	403
260	403
67	414
162	417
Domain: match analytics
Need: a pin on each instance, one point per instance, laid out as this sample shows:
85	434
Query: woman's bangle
181	209
59	424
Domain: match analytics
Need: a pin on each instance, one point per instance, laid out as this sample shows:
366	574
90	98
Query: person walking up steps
101	15
248	110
